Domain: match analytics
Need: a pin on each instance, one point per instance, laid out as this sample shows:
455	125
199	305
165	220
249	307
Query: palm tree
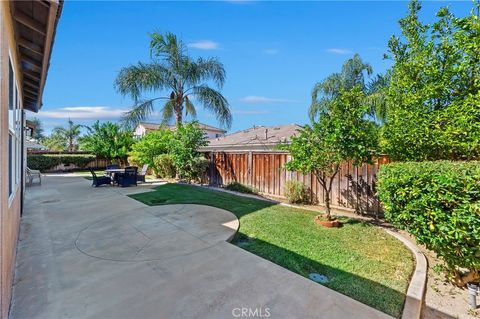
376	98
352	74
182	79
69	135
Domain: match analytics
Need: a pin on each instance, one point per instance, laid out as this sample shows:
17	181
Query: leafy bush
165	166
150	146
184	145
296	192
45	162
198	168
438	203
239	187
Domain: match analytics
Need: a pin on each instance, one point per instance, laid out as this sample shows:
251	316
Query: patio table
112	172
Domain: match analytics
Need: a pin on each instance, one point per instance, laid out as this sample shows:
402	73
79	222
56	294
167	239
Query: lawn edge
415	296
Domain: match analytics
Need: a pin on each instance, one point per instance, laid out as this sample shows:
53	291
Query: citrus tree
341	134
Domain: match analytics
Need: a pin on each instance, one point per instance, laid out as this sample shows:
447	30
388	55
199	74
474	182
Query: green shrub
187	139
198	169
150	146
438	203
45	162
165	166
296	192
238	187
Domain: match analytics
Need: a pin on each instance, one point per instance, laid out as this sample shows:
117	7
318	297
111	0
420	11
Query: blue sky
273	52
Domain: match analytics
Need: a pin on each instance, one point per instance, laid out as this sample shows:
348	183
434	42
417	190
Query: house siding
10	205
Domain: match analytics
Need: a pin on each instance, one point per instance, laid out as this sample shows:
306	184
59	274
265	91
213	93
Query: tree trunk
178	117
327	204
461	280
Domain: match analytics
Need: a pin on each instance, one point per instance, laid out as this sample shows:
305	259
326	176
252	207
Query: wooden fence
353	188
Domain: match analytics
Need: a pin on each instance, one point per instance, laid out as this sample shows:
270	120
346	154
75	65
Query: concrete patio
95	253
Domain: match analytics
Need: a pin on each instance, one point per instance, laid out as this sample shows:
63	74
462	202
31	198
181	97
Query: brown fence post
249	169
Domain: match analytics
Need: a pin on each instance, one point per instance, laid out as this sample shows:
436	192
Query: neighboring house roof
155	126
255	138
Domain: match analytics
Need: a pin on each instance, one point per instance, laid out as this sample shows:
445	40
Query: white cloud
84	112
204	45
251	99
339	51
271	51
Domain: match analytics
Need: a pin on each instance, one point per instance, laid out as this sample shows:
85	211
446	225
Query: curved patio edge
416	289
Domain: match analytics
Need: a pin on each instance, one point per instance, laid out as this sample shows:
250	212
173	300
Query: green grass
360	260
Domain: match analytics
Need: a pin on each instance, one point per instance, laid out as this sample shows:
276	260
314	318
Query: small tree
145	150
187	139
107	140
341	134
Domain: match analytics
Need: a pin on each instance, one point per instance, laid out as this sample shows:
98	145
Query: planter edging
415	296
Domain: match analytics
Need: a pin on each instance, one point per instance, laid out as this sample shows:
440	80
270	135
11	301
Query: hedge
45	162
438	203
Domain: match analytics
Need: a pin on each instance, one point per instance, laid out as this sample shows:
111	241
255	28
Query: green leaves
342	134
107	140
187	139
433	95
179	77
64	138
438	203
145	150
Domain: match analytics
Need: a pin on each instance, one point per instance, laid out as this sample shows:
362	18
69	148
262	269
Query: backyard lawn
359	259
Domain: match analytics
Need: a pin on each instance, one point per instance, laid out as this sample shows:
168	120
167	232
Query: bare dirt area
444	300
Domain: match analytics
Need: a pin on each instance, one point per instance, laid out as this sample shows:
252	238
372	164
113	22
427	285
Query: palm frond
190	108
214	101
138	113
168	48
168	112
317	108
211	69
134	79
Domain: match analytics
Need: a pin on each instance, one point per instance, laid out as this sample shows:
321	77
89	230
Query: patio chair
143	172
128	178
100	180
31	174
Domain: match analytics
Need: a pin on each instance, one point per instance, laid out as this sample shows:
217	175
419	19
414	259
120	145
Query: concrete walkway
95	253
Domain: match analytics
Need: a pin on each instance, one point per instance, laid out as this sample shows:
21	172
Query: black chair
128	178
100	180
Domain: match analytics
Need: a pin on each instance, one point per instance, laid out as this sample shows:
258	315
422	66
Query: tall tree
38	131
181	80
68	136
354	73
434	90
107	140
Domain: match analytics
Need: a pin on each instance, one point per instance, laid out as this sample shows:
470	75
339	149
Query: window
10	164
14	134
